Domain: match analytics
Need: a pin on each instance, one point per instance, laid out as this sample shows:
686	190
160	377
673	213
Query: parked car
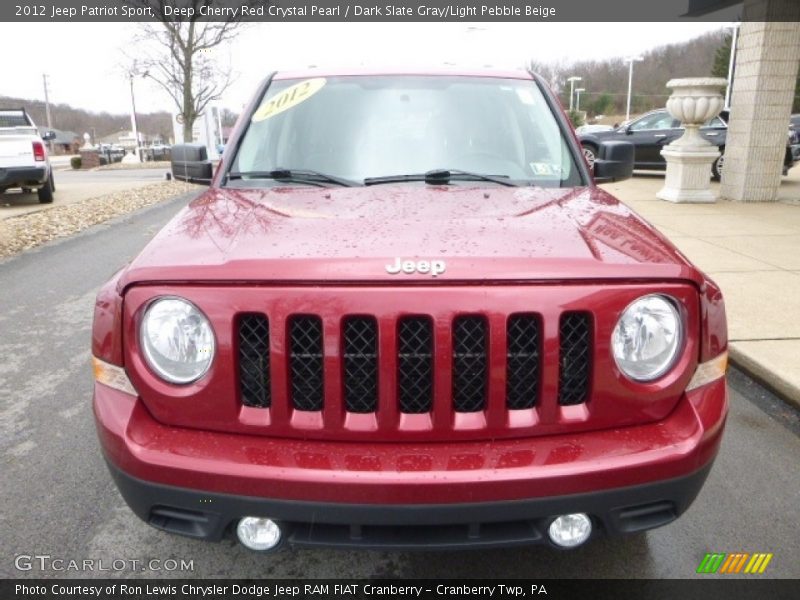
111	152
794	136
155	152
592	128
794	123
416	322
654	130
24	162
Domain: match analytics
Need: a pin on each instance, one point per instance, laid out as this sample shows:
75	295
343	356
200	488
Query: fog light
569	531
258	533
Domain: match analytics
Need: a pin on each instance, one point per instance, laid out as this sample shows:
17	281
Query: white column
767	61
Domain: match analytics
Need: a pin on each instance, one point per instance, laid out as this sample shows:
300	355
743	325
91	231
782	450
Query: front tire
46	191
590	154
716	168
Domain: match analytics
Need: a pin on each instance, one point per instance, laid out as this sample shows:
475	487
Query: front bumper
22	176
200	483
213	516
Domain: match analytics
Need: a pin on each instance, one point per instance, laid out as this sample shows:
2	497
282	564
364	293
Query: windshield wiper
440	177
299	175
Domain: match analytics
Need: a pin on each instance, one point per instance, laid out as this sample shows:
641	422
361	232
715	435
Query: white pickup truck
23	156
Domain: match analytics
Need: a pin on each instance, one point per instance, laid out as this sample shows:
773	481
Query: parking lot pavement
752	250
58	498
61	161
74	186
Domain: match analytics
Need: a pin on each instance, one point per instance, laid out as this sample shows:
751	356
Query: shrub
75	162
576	117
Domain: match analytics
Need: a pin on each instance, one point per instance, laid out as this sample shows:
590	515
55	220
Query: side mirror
190	163
614	162
48	135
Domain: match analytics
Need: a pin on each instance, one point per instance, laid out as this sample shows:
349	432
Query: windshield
367	127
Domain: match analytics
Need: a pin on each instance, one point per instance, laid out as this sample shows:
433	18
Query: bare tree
179	57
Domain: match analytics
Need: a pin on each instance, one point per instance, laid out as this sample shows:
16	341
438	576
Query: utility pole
47	109
134	124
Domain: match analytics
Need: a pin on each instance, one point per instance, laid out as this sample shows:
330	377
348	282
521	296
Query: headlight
647	338
177	339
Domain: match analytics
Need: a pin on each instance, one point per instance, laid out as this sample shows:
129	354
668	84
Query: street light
630	60
572	81
219	125
134	72
731	62
134	124
578	98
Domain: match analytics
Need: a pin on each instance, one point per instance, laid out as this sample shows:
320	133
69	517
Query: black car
652	131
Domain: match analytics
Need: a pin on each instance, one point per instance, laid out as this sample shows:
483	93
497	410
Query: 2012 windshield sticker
288	98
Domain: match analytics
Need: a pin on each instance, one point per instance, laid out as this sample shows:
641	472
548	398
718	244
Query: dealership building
767	64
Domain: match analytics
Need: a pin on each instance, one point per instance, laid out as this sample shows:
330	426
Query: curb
784	389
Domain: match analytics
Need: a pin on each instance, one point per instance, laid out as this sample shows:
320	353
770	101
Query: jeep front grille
469	364
254	373
361	364
415	364
575	358
522	361
306	362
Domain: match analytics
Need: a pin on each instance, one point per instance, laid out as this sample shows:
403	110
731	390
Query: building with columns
767	64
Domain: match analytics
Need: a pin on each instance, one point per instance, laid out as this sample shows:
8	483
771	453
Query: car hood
492	233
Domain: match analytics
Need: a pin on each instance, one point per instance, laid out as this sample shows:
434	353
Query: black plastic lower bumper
212	516
22	176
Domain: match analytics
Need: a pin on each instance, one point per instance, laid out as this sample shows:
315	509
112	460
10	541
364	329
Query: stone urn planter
689	158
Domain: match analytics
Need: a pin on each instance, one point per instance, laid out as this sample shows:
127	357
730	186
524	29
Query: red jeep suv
404	315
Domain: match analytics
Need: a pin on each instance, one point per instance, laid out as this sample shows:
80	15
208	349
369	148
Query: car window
13	119
358	127
660	120
716	123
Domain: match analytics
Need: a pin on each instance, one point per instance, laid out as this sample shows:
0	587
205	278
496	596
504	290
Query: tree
575	117
179	57
602	104
722	58
228	117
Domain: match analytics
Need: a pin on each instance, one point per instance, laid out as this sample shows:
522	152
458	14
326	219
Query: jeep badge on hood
434	267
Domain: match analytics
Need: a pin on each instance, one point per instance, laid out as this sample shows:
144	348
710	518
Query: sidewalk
752	250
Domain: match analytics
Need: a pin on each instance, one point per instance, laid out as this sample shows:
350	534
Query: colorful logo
738	562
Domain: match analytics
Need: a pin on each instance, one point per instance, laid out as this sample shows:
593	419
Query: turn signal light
112	376
709	371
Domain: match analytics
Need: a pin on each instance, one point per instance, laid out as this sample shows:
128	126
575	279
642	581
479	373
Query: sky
85	61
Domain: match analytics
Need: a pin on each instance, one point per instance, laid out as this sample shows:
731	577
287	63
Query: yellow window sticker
288	98
541	168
